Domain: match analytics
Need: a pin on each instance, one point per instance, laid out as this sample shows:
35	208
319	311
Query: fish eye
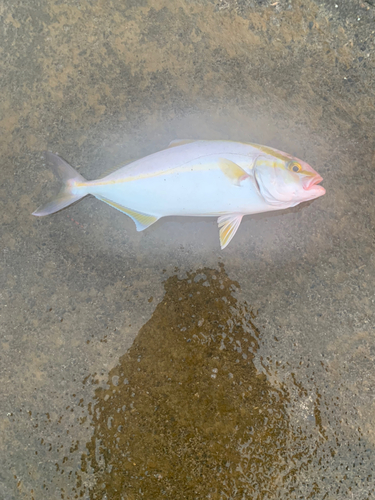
294	167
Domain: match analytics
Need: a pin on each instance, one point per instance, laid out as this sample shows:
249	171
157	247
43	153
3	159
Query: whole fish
221	179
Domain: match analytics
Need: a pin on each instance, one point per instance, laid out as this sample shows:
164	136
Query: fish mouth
312	181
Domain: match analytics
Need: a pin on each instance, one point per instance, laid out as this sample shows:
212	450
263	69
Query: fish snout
312	181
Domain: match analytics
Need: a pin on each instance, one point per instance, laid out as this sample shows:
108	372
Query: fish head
286	181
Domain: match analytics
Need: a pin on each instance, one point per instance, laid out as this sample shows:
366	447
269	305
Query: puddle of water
186	414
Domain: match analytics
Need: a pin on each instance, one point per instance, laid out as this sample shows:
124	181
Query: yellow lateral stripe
200	168
177	170
271	151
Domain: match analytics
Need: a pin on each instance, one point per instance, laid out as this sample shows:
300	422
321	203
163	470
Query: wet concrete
185	414
84	296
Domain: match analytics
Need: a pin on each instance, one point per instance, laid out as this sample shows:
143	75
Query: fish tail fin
69	193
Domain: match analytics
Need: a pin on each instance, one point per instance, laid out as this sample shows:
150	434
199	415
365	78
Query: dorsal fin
141	220
179	142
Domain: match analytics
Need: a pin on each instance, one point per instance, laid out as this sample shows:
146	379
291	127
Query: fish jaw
315	192
311	181
312	187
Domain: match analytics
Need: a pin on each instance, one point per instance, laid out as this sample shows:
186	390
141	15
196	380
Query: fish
199	178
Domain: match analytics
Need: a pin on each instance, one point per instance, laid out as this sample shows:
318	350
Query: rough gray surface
102	82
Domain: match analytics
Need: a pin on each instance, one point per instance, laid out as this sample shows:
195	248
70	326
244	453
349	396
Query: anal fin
228	225
141	220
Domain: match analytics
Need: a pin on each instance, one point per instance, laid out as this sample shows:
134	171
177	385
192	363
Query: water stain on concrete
186	414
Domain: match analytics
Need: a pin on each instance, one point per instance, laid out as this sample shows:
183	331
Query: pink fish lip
312	181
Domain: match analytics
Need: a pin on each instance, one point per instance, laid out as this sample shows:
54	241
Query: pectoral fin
142	221
233	171
228	225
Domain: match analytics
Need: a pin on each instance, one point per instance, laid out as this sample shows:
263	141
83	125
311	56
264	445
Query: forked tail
69	192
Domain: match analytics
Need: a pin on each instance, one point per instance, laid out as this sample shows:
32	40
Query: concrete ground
154	365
